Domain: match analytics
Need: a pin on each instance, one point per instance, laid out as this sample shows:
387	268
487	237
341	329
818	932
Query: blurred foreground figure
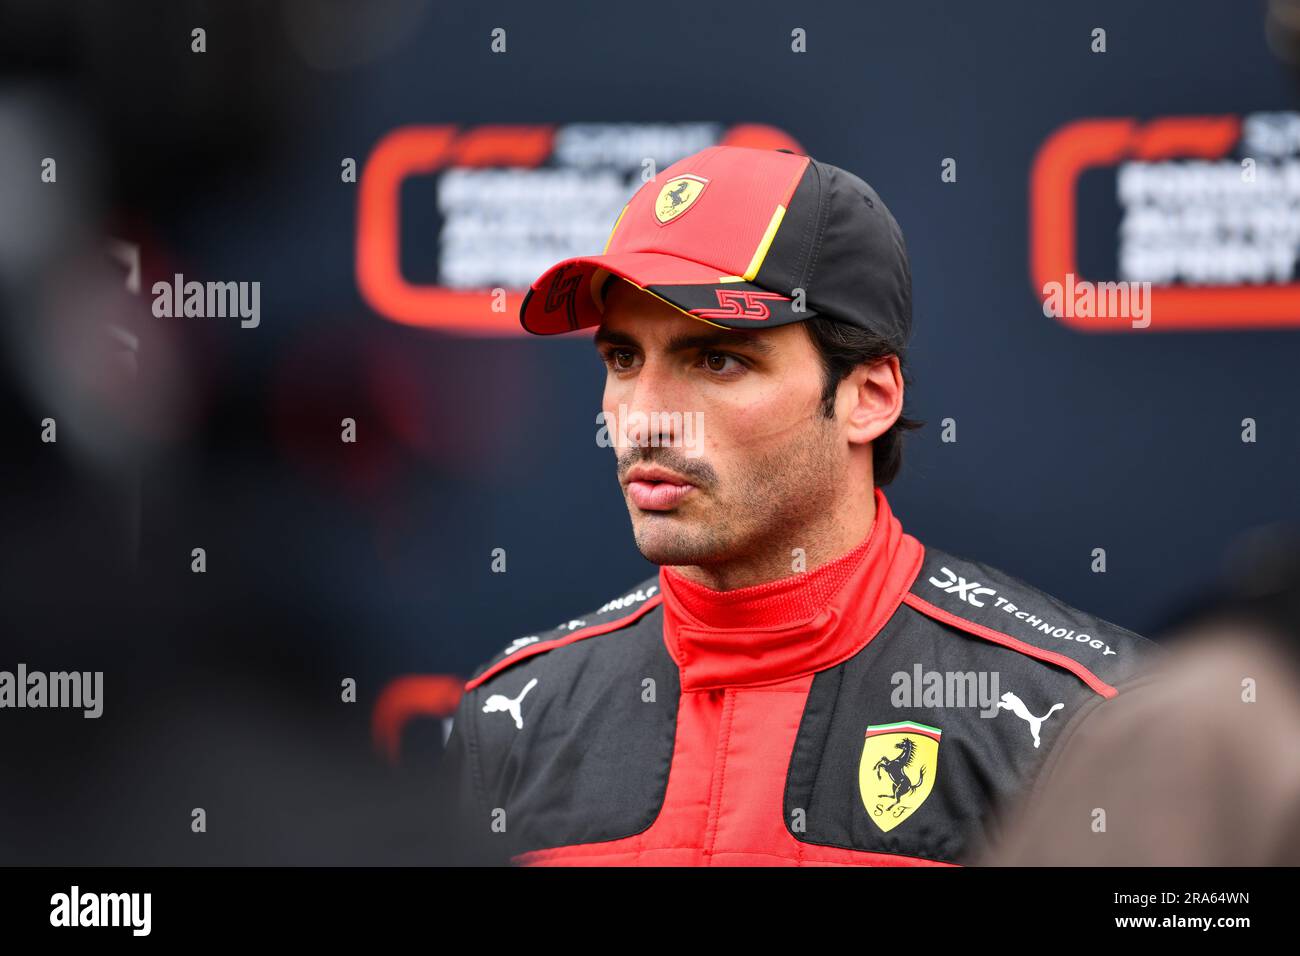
1197	764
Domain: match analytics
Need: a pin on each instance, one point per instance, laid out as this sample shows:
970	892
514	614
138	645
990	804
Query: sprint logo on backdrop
1208	212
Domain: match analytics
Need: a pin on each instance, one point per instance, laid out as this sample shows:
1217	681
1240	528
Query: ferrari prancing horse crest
897	770
677	196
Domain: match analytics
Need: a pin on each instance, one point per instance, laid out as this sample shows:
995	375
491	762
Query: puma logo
500	702
1017	706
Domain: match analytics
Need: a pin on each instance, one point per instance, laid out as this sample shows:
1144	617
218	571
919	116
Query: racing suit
875	711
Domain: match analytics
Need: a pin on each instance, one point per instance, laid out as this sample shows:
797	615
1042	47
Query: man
802	682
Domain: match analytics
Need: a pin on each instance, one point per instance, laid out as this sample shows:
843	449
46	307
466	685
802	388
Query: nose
652	414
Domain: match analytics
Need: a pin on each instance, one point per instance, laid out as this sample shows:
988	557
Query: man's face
727	451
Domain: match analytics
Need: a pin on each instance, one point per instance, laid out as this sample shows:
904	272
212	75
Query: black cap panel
840	244
861	272
786	266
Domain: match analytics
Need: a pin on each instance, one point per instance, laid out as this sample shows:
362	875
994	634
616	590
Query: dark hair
843	348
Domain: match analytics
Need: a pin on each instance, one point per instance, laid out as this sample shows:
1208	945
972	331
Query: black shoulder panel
572	742
984	596
911	745
618	609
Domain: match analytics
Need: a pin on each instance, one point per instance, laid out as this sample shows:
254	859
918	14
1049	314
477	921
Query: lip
653	488
653	473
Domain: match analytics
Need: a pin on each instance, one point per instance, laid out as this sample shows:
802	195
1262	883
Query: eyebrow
691	341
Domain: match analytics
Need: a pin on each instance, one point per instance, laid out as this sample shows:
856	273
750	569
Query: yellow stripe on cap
614	230
761	252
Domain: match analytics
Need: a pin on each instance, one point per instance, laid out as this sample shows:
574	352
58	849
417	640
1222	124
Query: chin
664	537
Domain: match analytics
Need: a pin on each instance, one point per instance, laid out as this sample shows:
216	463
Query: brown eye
716	361
623	358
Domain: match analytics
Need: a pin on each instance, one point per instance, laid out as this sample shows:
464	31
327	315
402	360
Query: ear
870	399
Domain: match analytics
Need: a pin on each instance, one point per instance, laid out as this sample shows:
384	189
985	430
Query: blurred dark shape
1197	764
220	114
1282	29
222	689
343	34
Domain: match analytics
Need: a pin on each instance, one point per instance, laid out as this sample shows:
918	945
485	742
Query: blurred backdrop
377	169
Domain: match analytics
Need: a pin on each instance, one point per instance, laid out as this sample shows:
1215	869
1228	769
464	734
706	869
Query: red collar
793	626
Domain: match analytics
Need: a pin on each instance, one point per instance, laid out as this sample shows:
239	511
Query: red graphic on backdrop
428	150
1094	143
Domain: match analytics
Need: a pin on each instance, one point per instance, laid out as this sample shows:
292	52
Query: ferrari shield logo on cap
896	773
677	196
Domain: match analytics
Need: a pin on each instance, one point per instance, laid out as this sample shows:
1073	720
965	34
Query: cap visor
565	298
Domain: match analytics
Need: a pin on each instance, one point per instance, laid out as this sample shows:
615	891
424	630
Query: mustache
696	470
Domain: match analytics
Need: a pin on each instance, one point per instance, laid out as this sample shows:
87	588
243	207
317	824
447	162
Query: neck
791	627
825	540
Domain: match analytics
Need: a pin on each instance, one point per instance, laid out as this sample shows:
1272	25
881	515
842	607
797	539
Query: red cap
743	238
707	221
